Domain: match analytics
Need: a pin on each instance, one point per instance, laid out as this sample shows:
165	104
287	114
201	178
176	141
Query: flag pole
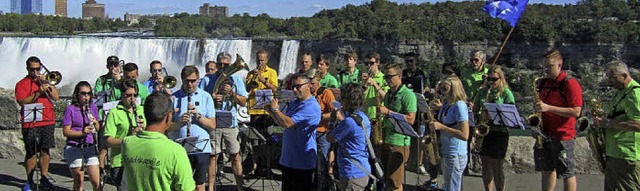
501	47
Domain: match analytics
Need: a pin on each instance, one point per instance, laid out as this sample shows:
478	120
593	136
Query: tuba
51	77
223	77
594	135
535	120
482	129
431	140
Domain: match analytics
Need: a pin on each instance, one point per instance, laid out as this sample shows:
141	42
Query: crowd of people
341	130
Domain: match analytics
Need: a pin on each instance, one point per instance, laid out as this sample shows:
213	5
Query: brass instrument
377	131
431	140
51	77
594	135
535	120
223	77
482	128
253	82
169	81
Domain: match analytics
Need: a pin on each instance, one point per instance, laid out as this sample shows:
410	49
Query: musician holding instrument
352	137
622	131
453	124
398	99
131	72
170	169
351	74
127	118
80	125
231	92
34	88
376	88
103	89
326	79
300	121
325	98
194	117
494	145
261	78
156	80
560	104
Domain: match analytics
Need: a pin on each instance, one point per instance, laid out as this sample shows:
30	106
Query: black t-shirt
414	80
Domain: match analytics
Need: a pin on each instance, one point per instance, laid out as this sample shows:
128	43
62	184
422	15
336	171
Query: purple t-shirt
77	119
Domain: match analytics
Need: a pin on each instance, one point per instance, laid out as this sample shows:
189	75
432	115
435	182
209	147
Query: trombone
50	77
169	81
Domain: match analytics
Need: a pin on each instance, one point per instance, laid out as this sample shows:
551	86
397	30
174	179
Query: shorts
621	174
393	159
230	138
354	184
495	145
43	134
200	165
75	156
558	156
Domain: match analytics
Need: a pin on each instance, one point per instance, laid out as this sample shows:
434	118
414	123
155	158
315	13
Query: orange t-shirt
325	99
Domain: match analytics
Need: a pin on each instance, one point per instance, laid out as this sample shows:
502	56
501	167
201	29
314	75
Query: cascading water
288	58
243	47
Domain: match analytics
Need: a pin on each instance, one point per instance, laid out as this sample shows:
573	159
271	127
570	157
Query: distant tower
92	9
210	11
61	8
26	6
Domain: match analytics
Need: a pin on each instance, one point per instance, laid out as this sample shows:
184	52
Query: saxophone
431	140
377	130
482	129
594	135
535	120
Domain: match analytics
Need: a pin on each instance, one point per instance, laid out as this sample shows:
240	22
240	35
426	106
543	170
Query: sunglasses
369	63
85	93
191	81
390	76
131	95
474	60
156	70
492	79
34	69
298	86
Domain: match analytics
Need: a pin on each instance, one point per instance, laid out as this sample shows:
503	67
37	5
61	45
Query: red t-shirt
556	126
26	87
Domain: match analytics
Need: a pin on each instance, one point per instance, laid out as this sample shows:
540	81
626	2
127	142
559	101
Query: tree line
586	21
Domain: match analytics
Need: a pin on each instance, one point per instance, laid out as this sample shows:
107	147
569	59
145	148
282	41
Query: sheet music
33	112
505	114
189	144
403	124
263	97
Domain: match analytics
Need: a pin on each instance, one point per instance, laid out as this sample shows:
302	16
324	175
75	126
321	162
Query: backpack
377	173
585	111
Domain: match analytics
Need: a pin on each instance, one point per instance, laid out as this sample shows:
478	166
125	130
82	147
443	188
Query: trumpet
253	82
223	77
535	120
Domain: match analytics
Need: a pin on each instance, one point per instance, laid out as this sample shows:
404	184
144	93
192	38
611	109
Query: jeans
453	168
322	173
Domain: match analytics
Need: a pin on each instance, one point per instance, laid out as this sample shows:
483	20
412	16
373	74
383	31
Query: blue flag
508	10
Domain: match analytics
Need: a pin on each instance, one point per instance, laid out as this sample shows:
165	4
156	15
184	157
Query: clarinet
189	122
135	117
90	117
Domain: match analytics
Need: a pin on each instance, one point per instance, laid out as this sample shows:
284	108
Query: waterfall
242	47
288	58
79	58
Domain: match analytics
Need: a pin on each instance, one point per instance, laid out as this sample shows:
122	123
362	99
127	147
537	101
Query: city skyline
274	8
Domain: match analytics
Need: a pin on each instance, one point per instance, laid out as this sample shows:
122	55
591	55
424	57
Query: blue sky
275	8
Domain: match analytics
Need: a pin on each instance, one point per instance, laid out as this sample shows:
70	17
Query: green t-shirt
471	80
329	81
370	95
143	92
345	78
403	101
506	97
151	161
119	125
624	144
105	83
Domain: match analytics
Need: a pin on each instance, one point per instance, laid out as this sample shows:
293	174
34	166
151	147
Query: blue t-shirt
207	83
204	105
451	115
149	84
352	144
299	149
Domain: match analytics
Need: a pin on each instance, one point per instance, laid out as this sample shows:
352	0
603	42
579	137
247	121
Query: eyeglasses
192	81
131	95
85	93
389	76
492	79
156	70
298	86
34	69
369	63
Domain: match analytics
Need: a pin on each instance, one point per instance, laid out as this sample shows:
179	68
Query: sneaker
421	170
26	187
45	183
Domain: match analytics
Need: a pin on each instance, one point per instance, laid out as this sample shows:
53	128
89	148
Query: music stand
101	98
269	174
32	113
286	97
263	98
402	126
224	119
190	144
504	115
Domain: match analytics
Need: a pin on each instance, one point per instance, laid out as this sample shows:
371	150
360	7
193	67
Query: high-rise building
209	11
91	9
26	6
61	8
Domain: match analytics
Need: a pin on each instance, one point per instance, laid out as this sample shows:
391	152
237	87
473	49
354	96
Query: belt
79	145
